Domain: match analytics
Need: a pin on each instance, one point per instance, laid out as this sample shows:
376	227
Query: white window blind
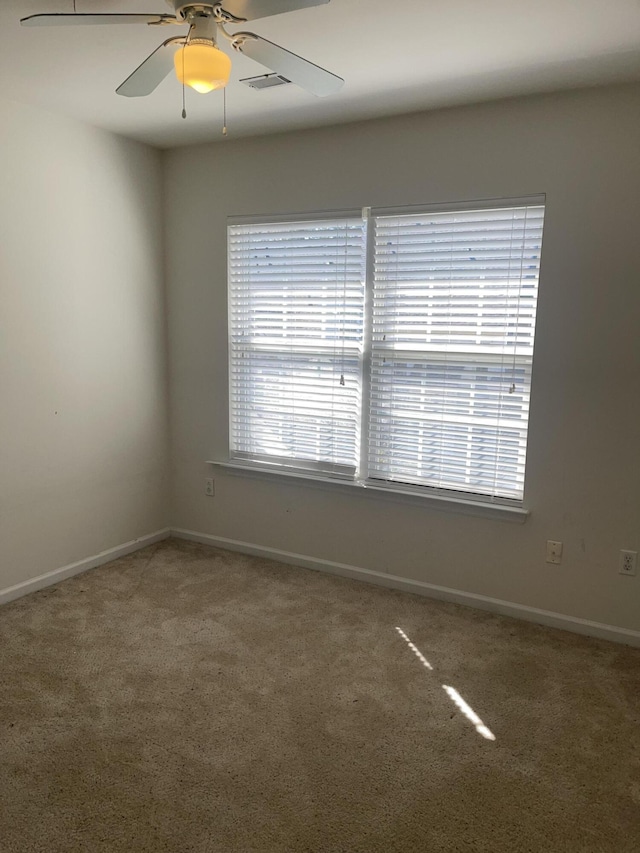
296	292
454	302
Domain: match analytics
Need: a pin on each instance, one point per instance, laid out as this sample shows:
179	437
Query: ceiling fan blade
305	74
151	72
63	19
249	10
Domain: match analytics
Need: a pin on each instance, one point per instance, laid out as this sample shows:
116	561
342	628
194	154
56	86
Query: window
296	318
389	348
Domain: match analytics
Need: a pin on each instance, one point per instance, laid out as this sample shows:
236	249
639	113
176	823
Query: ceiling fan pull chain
184	97
224	111
186	42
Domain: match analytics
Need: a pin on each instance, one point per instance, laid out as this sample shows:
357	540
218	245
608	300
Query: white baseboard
53	577
469	599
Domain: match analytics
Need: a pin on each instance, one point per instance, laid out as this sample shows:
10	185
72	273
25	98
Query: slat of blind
295	315
454	298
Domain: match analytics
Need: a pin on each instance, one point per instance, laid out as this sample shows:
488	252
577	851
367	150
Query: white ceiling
395	56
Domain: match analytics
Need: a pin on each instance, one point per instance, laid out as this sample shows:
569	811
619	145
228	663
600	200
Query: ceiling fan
197	59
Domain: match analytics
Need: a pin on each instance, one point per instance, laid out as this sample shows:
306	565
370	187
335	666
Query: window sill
443	503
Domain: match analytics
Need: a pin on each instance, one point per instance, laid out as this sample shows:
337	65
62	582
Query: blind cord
445	377
344	300
502	370
512	387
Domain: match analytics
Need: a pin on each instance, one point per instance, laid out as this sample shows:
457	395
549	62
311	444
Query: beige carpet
190	699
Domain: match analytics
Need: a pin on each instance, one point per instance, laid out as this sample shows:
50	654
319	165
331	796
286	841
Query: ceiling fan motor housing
182	8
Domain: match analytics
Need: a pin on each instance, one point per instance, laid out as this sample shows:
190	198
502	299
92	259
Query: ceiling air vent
265	81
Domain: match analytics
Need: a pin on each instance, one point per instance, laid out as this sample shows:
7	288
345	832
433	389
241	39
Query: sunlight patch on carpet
451	692
469	713
414	649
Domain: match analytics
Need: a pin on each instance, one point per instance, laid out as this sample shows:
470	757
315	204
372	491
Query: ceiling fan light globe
202	86
203	67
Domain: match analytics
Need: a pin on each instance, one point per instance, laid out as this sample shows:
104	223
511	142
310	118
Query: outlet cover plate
554	552
628	563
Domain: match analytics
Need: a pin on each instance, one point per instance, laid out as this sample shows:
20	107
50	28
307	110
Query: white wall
583	479
83	431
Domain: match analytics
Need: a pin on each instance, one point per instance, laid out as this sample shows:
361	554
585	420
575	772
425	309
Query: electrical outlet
209	487
628	563
554	552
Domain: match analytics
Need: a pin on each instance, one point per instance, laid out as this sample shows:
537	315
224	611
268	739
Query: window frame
511	509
